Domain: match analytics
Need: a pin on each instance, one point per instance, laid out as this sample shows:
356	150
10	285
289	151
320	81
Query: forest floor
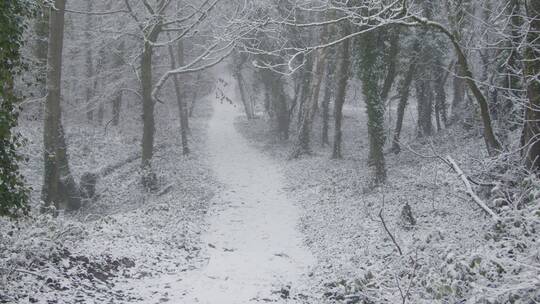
114	248
452	253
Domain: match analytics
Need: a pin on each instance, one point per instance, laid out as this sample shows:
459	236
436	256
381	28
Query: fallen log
89	180
113	167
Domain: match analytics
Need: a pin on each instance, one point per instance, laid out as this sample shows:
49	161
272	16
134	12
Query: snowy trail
254	246
252	251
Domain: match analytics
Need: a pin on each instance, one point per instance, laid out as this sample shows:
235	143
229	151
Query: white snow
254	250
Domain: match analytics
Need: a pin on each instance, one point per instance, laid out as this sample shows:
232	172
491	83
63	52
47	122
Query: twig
24	271
388	231
415	263
403	297
165	190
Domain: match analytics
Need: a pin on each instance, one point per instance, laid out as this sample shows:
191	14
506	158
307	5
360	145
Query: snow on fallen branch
468	188
448	160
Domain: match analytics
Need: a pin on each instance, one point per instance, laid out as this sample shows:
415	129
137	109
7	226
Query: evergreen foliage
13	192
370	72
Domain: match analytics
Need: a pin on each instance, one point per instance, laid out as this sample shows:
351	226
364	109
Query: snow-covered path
255	249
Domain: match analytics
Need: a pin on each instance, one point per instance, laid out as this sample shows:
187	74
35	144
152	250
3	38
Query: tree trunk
149	179
148	106
342	77
243	94
424	96
404	92
329	88
116	108
392	60
492	144
182	107
117	100
100	114
309	109
194	98
41	44
531	130
59	189
459	94
89	64
239	61
304	84
311	100
374	105
268	103
277	99
440	97
281	106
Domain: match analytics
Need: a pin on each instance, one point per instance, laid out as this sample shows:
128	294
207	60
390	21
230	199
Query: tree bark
148	106
392	61
281	106
404	92
309	108
531	130
117	99
182	107
374	106
425	107
239	61
41	45
116	108
194	98
342	77
329	88
310	100
459	94
59	188
441	106
277	99
244	95
304	84
89	64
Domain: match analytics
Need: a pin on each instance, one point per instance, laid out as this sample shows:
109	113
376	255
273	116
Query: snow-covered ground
221	229
453	254
237	223
252	249
114	247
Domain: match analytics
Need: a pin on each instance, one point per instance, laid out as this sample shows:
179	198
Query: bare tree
310	101
404	92
531	130
239	62
117	63
59	187
342	77
180	95
89	63
369	73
